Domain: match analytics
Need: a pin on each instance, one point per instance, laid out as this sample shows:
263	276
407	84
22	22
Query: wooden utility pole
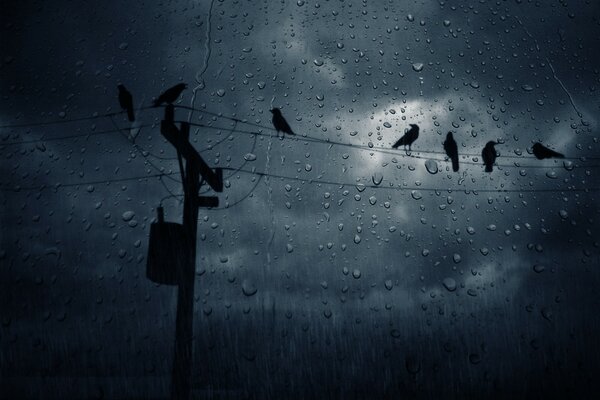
195	169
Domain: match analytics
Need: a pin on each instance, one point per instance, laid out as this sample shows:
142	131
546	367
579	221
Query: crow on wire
540	152
280	123
488	154
451	149
409	137
170	95
126	102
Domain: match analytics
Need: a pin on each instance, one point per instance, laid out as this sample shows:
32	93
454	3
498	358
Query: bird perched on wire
540	152
126	102
451	150
409	137
488	154
280	123
170	95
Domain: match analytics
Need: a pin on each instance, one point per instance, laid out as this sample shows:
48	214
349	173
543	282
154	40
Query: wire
320	181
82	135
95	182
381	150
415	188
64	121
338	143
141	150
237	120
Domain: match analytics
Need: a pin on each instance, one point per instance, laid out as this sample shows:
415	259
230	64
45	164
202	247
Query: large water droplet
449	284
377	178
431	166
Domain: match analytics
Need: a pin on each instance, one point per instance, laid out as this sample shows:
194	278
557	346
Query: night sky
334	266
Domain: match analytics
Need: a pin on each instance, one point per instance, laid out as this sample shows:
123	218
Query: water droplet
563	214
538	268
568	165
318	63
449	284
250	157
389	284
431	166
356	274
416	195
248	288
456	258
387	124
552	174
377	178
128	216
417	67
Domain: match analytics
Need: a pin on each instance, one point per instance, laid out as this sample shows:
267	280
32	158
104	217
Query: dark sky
324	283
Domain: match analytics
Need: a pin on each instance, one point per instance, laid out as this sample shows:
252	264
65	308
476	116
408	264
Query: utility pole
195	169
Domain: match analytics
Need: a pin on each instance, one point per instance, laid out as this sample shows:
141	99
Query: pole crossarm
170	131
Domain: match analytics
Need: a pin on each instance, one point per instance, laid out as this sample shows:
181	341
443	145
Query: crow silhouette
280	123
409	137
126	102
170	95
540	152
451	150
488	154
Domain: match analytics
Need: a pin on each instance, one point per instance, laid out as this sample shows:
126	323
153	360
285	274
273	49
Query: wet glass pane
343	199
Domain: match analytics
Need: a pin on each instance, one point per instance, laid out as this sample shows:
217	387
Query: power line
238	120
94	182
382	150
65	121
313	181
141	151
414	188
339	143
67	137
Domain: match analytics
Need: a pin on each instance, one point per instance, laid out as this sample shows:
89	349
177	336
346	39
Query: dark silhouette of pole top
540	152
170	95
126	102
488	154
280	123
451	149
409	137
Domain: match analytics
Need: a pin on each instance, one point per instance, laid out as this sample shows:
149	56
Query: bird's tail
130	114
455	164
489	168
399	143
